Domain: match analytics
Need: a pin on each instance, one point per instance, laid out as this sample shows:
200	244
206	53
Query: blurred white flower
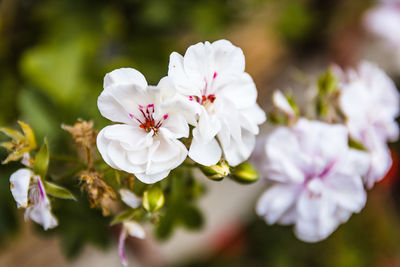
29	193
316	179
222	96
370	102
129	228
384	21
146	142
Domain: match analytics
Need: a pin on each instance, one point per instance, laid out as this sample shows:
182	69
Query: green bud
153	199
216	172
244	173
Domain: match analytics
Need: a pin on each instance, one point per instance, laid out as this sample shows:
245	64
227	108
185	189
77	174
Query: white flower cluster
206	88
317	180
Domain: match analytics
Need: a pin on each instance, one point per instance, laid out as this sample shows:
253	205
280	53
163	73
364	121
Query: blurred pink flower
316	179
370	102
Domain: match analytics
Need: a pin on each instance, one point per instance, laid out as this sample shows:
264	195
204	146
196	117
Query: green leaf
42	160
191	217
327	83
123	216
58	191
356	145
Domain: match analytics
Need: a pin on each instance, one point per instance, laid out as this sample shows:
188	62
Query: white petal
228	58
239	151
276	201
125	76
282	103
19	184
175	126
130	137
241	91
179	77
134	229
205	153
40	211
285	159
130	198
153	178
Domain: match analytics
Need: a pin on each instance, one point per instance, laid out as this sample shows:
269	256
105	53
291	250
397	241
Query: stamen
149	123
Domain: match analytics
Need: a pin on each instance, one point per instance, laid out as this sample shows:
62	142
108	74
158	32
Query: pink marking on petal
41	190
131	115
165	116
215	75
121	246
327	169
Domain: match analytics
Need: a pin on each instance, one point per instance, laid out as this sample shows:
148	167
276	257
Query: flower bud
153	199
216	172
244	173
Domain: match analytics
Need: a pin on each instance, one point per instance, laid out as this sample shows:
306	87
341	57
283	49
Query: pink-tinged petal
121	246
276	201
40	210
125	76
19	184
130	198
205	153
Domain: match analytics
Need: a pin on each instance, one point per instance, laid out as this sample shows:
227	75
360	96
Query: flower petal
125	76
130	198
19	184
205	153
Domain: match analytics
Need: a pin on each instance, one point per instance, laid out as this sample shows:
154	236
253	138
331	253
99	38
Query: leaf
58	191
29	134
356	145
123	216
12	133
191	217
42	160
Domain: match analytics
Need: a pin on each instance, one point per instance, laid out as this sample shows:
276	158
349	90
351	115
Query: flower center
205	99
148	123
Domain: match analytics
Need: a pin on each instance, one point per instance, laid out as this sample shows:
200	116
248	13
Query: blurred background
53	57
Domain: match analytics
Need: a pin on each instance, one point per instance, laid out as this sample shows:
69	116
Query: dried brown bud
99	193
82	132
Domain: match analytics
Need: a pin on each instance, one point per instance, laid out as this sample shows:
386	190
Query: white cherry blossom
315	179
222	96
29	193
370	102
145	142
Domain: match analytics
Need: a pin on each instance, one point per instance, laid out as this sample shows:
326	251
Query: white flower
316	179
130	228
145	142
29	193
370	101
211	77
384	21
